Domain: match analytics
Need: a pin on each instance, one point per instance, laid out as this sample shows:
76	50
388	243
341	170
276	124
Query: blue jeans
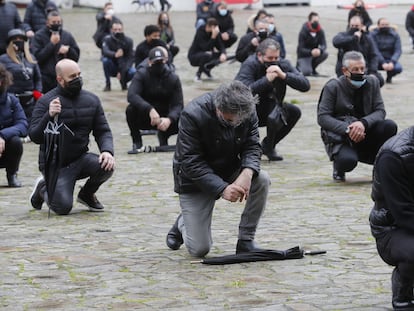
111	70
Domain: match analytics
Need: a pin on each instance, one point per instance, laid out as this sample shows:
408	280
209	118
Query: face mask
55	27
384	29
165	22
315	25
73	87
157	68
110	12
358	79
19	45
271	28
119	35
262	34
227	123
208	1
223	12
268	64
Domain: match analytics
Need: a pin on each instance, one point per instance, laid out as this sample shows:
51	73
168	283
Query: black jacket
226	23
13	121
409	22
35	16
9	19
164	93
393	185
208	154
307	42
203	42
25	78
46	53
347	41
82	114
246	48
103	27
109	47
143	48
253	74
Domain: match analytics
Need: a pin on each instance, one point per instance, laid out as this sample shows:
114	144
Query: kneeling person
155	99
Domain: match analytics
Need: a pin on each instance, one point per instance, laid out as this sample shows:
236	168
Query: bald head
67	70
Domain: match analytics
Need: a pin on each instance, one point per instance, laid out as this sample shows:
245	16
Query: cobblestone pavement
118	260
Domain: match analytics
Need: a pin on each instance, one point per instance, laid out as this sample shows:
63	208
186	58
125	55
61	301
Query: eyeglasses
229	119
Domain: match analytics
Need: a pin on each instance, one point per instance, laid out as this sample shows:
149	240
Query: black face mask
353	30
119	35
315	25
55	27
157	69
384	29
73	87
19	45
262	34
358	76
166	22
268	64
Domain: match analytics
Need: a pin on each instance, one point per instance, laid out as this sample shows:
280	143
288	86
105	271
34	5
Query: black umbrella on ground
261	255
54	135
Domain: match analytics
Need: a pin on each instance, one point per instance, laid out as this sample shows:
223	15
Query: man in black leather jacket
268	75
392	217
81	113
218	155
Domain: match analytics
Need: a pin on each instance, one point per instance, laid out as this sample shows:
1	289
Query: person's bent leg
346	159
304	65
109	69
195	224
11	160
293	114
90	167
62	200
134	128
316	61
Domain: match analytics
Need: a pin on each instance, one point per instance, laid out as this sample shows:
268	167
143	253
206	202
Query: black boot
247	246
270	152
402	292
174	237
13	181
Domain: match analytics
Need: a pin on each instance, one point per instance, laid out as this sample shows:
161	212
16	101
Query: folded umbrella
260	255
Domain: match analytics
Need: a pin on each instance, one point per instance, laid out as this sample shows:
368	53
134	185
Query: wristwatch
347	130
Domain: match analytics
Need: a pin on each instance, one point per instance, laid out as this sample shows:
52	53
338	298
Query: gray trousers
197	212
307	65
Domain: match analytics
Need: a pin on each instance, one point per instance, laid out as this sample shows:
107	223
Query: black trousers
12	155
139	120
201	58
365	151
396	248
86	166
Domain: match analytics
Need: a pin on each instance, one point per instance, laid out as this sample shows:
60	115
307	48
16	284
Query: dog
147	4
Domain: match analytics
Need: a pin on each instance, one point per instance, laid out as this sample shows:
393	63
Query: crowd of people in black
40	83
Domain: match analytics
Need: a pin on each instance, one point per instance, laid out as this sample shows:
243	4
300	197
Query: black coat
82	114
143	48
203	42
35	16
9	19
103	27
307	42
46	53
208	154
246	48
409	22
253	74
109	47
164	93
13	121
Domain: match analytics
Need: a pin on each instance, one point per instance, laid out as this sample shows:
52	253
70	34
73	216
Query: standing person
13	126
165	3
27	80
167	33
218	155
104	21
207	50
50	45
409	25
356	39
360	10
204	11
391	218
117	57
351	115
388	44
10	19
155	99
311	50
35	16
268	75
82	113
226	24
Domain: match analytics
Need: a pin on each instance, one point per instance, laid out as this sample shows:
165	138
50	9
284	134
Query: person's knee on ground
197	249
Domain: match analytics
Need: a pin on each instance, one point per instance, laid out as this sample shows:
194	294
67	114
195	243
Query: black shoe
338	176
107	88
174	237
315	73
389	79
270	152
135	147
247	246
13	181
402	292
90	200
36	198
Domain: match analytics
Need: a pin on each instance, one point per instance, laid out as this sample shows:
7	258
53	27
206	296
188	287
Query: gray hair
267	44
235	98
352	56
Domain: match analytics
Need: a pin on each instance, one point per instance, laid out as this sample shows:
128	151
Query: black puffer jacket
36	14
208	153
163	93
9	19
46	52
110	45
394	194
82	114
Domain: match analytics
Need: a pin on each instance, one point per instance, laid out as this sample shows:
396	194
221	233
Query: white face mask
110	12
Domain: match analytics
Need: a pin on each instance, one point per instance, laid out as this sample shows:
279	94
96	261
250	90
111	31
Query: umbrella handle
314	252
196	261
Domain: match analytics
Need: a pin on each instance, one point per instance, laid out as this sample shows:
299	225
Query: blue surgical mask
271	28
223	12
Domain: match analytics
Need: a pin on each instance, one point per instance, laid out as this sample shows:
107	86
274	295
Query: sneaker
36	198
197	77
90	200
389	79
